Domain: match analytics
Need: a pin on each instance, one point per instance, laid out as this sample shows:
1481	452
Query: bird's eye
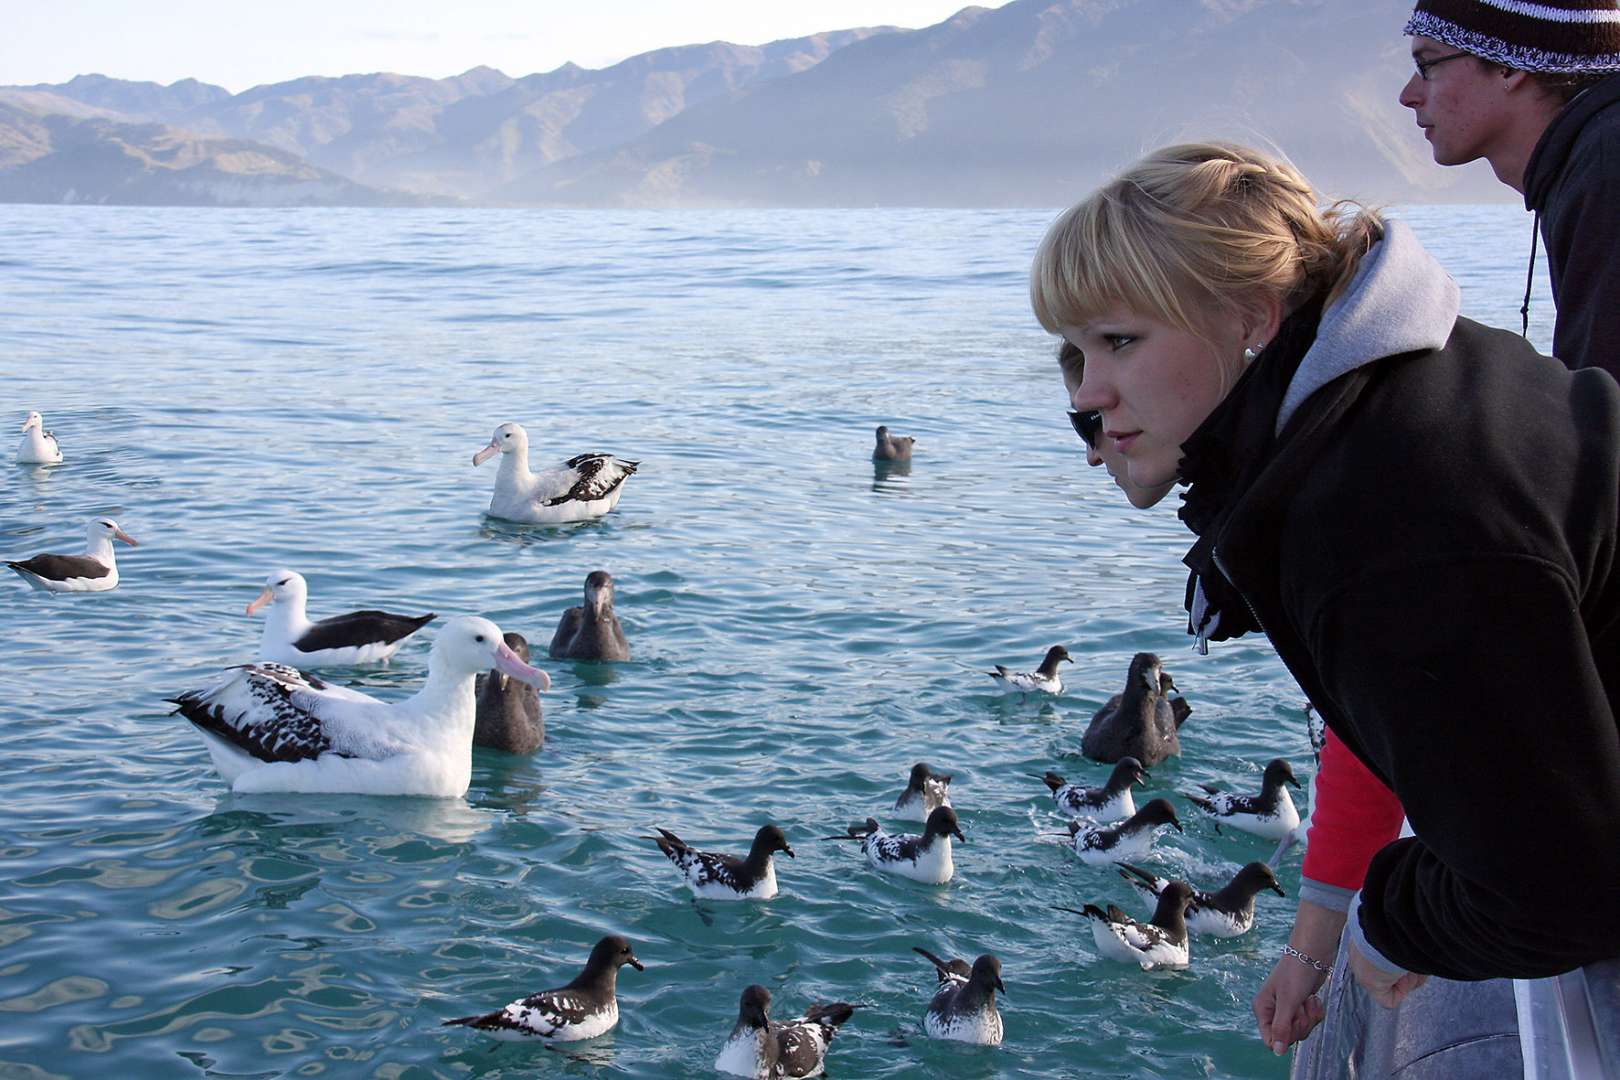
480	637
284	581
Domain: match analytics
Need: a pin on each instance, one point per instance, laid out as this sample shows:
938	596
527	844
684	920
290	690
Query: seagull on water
766	1049
94	571
1043	680
1130	839
1227	912
584	1009
584	487
38	446
1270	814
925	792
360	637
1111	802
1159	943
726	877
963	1008
925	858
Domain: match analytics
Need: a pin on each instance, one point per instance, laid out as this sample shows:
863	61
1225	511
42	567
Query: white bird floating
94	571
359	637
1270	814
272	728
38	446
925	858
580	489
1160	943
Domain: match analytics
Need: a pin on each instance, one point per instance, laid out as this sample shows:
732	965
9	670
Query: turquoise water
252	390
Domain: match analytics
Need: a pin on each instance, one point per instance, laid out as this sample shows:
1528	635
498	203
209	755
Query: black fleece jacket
1573	181
1431	546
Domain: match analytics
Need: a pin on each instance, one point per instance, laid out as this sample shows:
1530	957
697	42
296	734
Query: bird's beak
958	834
788	852
1068	659
1000	986
486	453
125	537
507	662
633	962
1179	829
504	680
1276	888
27	424
1142	778
1291	780
263	598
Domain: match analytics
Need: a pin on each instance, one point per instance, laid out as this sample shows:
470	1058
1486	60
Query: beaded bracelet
1308	961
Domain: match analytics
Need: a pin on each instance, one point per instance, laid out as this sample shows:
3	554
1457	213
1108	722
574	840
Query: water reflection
889	477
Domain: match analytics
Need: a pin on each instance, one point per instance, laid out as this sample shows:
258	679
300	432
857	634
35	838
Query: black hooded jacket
1432	545
1573	181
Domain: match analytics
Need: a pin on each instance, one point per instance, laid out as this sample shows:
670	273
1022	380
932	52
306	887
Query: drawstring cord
1530	274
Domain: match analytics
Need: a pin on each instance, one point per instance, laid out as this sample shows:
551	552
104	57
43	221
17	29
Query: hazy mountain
1033	103
1029	104
51	155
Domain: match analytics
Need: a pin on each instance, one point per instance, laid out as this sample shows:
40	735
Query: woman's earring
1252	352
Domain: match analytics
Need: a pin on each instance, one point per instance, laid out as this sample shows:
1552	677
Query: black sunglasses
1087	425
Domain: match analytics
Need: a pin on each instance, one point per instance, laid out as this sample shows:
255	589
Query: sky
238	45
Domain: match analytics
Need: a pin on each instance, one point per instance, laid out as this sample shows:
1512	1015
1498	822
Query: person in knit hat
1534	89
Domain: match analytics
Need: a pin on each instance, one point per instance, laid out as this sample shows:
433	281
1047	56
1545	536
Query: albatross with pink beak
270	728
38	446
94	571
582	488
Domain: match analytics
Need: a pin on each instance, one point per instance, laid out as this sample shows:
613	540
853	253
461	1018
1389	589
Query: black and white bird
37	446
925	792
94	571
1111	802
1227	912
360	637
1144	722
584	1009
509	717
765	1049
584	487
726	877
963	1007
591	631
1130	839
272	728
1270	814
1043	680
925	858
1159	943
892	447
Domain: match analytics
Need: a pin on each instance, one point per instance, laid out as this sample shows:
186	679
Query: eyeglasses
1087	425
1423	66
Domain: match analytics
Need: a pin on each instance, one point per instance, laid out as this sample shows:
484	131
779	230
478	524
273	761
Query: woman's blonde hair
1194	231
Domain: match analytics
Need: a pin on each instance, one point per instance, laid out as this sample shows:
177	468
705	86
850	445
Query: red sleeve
1353	818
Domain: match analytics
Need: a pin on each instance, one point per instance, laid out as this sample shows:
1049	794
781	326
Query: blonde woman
1419	512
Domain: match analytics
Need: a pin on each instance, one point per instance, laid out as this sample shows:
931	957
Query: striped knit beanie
1554	36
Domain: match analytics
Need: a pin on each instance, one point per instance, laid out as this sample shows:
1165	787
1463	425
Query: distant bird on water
1043	680
1143	722
585	1008
584	487
94	571
763	1048
38	446
591	631
892	447
963	1008
925	792
509	716
360	637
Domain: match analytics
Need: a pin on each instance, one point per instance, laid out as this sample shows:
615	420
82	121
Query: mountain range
1028	104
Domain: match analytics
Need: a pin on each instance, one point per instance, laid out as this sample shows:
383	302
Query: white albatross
94	571
272	728
38	446
580	489
360	637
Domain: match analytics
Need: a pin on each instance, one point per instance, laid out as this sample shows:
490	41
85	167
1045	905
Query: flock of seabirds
272	726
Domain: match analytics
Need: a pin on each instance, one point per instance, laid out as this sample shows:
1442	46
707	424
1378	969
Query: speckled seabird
925	858
1270	814
963	1008
584	1009
1111	802
1159	943
925	792
360	637
584	487
1130	839
37	446
1043	680
269	727
766	1049
892	447
94	571
1143	722
591	631
726	877
1226	913
509	716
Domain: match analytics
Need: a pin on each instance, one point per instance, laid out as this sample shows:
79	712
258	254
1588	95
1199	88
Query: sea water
253	390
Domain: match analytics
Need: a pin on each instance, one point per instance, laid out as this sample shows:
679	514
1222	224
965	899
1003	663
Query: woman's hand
1286	1008
1388	988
